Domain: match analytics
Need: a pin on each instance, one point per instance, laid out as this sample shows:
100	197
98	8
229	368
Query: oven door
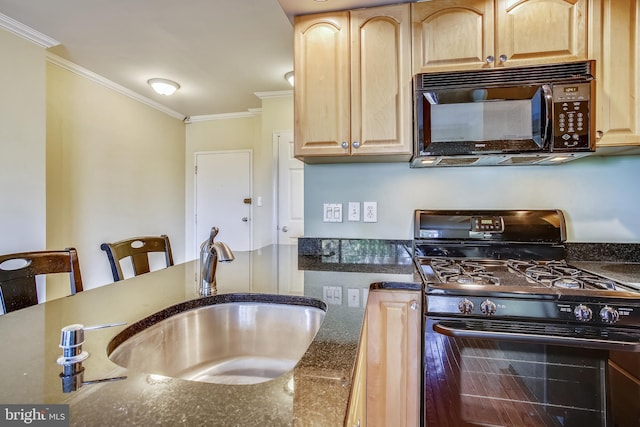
490	382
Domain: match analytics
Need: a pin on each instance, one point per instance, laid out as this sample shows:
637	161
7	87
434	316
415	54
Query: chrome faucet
210	253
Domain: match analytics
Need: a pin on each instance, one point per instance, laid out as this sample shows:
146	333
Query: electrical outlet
370	211
354	211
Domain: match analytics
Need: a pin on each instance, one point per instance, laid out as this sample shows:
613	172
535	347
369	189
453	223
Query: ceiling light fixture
289	77
163	86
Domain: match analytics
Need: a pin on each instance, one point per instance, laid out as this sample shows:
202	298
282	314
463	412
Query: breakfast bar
315	392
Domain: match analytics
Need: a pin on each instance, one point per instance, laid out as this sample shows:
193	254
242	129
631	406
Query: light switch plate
332	212
354	211
353	297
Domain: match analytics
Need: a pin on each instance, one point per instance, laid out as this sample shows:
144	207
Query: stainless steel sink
224	339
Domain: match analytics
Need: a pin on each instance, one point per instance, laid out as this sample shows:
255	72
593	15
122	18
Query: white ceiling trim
274	94
90	75
205	118
25	32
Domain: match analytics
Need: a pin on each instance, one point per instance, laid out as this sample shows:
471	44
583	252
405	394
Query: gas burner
600	282
473	279
567	282
464	272
540	273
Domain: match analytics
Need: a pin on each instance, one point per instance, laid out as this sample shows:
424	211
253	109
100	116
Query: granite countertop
616	261
315	392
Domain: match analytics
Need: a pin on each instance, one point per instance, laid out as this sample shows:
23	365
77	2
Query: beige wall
236	132
277	116
239	132
115	169
22	145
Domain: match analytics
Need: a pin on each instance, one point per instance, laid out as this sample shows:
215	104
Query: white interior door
223	182
290	191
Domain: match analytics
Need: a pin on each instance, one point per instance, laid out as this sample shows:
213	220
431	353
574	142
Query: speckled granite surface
604	252
315	392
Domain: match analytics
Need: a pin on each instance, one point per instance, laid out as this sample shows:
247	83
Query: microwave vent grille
505	76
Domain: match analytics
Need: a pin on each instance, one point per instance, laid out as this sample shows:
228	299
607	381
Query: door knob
285	229
245	219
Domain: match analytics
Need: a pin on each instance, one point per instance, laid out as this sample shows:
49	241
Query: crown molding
26	32
274	94
205	118
90	75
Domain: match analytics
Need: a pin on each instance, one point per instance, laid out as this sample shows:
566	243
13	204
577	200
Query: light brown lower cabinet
386	383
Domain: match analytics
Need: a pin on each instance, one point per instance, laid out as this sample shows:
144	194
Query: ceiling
221	52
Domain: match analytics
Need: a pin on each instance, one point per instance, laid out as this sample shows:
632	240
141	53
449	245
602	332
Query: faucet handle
213	234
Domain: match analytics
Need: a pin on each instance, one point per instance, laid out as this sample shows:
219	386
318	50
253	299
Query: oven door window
480	382
466	121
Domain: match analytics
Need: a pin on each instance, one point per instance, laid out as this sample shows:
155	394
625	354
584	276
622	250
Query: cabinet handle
599	134
345	144
489	59
503	58
356	144
414	305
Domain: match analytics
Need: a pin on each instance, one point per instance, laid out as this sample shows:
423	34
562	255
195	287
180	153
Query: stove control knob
583	313
609	314
465	306
488	308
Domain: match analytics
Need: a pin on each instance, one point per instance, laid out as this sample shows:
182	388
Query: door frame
276	184
195	244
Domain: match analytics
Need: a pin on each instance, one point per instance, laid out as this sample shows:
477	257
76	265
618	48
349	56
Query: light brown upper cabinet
352	92
473	34
615	46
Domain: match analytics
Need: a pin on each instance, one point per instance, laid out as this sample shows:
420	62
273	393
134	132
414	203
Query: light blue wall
600	196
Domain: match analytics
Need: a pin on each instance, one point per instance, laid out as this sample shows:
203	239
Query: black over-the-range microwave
510	116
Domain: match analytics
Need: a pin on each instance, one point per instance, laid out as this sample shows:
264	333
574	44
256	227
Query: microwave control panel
571	116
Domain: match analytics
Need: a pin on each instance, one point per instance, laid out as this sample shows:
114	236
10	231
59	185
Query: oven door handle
564	341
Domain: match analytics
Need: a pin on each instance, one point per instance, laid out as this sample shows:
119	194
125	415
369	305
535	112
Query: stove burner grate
465	272
557	274
494	272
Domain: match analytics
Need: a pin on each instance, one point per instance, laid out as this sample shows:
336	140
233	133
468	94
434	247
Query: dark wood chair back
18	273
138	249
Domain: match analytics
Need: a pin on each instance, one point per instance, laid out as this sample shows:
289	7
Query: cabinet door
452	35
393	358
616	49
321	92
538	32
357	407
381	89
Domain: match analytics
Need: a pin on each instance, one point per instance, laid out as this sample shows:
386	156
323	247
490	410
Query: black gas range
503	274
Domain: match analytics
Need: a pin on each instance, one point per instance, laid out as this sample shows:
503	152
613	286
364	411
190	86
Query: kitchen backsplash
338	254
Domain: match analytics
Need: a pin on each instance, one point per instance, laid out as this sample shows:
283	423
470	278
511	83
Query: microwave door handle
548	105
